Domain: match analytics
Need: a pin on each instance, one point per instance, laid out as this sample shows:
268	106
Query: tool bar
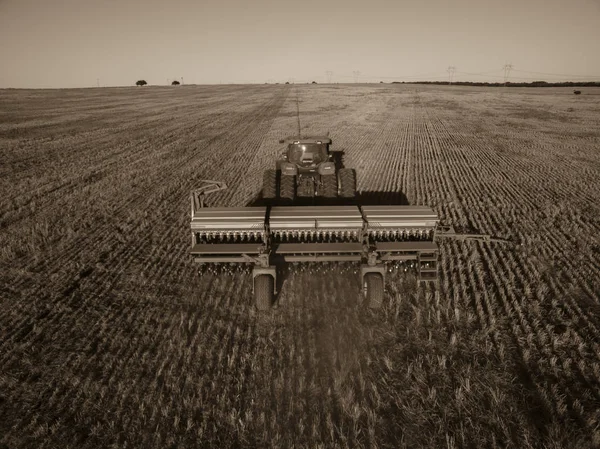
229	219
390	217
315	218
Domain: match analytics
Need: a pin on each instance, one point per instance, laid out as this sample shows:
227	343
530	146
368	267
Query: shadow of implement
363	198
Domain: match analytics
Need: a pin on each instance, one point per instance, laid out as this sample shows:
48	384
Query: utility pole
451	71
329	73
97	82
507	69
356	74
182	80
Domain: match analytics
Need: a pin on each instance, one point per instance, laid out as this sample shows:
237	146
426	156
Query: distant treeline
532	84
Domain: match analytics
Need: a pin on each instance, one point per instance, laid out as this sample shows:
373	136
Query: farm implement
262	238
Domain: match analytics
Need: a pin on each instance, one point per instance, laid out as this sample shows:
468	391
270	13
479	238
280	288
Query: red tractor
309	168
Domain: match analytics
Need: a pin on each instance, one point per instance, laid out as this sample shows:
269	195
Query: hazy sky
73	43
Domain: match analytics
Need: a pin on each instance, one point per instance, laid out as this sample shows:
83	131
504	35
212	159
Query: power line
559	74
481	73
502	76
507	70
437	74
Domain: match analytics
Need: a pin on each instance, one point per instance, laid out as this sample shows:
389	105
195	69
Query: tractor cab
307	153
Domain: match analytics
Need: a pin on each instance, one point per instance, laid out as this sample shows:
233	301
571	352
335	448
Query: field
109	338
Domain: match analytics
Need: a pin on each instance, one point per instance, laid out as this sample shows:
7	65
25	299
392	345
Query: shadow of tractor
363	198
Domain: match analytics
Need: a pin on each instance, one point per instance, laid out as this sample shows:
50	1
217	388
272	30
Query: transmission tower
329	73
451	71
507	69
356	74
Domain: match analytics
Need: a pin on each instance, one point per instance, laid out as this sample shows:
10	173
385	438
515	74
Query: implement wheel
263	291
287	187
373	286
269	190
347	183
329	186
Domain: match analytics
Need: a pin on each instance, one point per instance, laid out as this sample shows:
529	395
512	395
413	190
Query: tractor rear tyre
263	291
287	187
329	186
269	190
347	183
373	285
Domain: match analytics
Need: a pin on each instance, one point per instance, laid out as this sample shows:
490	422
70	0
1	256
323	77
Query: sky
89	43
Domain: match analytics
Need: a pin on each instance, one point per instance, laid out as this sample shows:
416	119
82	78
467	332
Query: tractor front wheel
287	187
263	291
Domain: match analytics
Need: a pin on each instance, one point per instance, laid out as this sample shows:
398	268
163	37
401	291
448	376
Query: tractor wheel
269	190
373	285
347	183
263	291
287	188
329	186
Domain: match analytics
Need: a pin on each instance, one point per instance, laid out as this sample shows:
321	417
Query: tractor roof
291	140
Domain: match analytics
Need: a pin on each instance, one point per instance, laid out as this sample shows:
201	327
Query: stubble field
109	338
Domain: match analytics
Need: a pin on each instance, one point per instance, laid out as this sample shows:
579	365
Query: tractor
308	168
